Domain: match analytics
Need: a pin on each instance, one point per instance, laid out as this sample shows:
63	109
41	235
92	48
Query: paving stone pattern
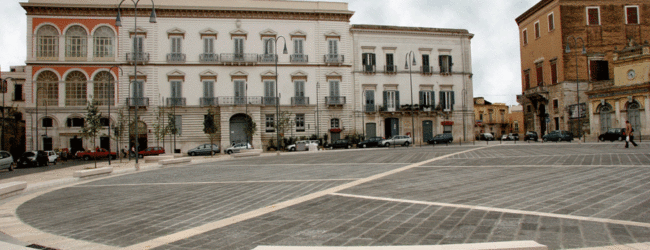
127	215
343	221
603	159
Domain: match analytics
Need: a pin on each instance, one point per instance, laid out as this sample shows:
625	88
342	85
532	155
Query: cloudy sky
495	47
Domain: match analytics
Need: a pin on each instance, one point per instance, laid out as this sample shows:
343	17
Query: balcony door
269	92
391	100
370	100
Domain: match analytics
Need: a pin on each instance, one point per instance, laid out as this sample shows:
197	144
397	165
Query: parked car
613	134
514	136
486	137
558	135
204	149
441	138
52	157
370	142
342	143
531	135
505	138
7	161
151	151
33	158
238	147
96	154
293	147
403	140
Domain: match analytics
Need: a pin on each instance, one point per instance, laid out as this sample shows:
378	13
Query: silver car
403	140
238	147
52	157
292	147
7	161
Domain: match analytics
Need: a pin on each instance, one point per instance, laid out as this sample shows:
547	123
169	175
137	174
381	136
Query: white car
7	161
403	140
52	157
293	147
237	148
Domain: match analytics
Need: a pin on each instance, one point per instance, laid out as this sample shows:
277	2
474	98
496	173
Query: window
269	92
300	122
445	63
334	88
527	79
333	47
75	122
176	50
368	62
516	126
269	53
551	22
208	89
176	90
537	30
298	46
335	123
75	42
555	105
208	45
239	48
18	92
47	122
524	36
103	88
370	100
427	99
480	117
270	123
540	74
632	14
425	64
76	89
48	83
299	88
554	72
103	43
593	15
599	70
557	123
178	122
240	92
447	100
138	89
529	108
390	63
391	100
105	122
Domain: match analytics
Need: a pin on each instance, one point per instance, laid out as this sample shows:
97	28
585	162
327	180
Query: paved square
560	195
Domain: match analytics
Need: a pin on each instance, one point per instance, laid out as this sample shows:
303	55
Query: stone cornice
381	29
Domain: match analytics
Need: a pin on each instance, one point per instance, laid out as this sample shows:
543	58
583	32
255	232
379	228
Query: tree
210	127
284	124
251	127
92	125
118	129
160	128
171	127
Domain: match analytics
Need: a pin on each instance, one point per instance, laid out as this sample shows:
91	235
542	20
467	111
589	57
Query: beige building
13	103
490	118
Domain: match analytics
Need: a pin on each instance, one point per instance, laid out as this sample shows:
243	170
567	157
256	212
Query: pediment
298	33
208	31
239	73
299	73
208	73
268	73
176	73
332	34
239	32
176	31
138	29
140	73
268	32
333	74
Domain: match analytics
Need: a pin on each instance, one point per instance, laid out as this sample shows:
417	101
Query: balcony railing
369	108
138	101
208	57
267	58
389	108
270	100
140	57
209	101
240	100
390	69
238	58
299	101
369	69
427	70
335	100
175	57
76	102
335	59
176	101
299	58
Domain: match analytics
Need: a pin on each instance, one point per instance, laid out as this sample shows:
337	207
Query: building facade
554	81
201	55
12	138
490	118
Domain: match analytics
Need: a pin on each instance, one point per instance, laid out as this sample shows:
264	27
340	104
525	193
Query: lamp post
110	102
136	55
46	104
317	118
4	92
584	51
464	113
277	98
411	55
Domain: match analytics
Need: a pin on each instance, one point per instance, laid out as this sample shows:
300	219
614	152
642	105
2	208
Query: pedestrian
629	135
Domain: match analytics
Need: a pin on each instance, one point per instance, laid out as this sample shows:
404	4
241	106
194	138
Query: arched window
634	116
48	89
76	89
47	43
104	90
605	117
47	122
76	40
103	43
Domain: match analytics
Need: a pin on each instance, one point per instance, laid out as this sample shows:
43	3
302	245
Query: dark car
441	138
485	137
558	135
343	143
204	149
531	135
613	134
371	142
33	158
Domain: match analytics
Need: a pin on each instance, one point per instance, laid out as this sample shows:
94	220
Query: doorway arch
238	129
142	135
634	116
605	117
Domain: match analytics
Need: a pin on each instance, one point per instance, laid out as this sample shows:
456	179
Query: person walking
629	133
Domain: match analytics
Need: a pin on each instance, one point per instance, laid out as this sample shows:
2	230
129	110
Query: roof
359	27
533	10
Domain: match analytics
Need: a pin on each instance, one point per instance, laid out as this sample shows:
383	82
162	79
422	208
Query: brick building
550	74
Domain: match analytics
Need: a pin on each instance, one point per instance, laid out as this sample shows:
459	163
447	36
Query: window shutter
453	100
451	63
397	107
365	59
442	99
385	98
432	99
422	98
442	69
373	59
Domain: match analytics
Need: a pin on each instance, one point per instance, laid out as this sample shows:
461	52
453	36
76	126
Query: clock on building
631	74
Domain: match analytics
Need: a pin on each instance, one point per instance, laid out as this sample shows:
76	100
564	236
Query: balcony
76	102
335	100
390	69
299	101
239	100
138	101
175	57
238	59
139	57
539	93
299	58
426	70
369	69
176	102
267	58
370	108
270	100
389	108
334	59
209	101
208	57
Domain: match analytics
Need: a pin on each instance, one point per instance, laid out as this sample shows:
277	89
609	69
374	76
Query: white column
617	108
592	123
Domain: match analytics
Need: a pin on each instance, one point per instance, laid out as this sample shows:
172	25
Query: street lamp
136	55
277	99
411	55
4	92
584	51
110	102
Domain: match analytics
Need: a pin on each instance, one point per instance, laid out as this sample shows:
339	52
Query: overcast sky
495	46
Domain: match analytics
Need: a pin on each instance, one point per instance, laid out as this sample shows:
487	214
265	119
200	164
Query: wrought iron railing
267	58
390	68
138	101
335	100
369	68
331	58
209	101
369	108
239	100
426	69
299	58
141	57
175	57
238	58
176	101
208	57
270	100
299	101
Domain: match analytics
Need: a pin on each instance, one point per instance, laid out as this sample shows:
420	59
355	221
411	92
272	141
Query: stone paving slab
344	221
600	159
551	149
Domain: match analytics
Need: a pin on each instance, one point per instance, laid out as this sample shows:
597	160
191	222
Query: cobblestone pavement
564	195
